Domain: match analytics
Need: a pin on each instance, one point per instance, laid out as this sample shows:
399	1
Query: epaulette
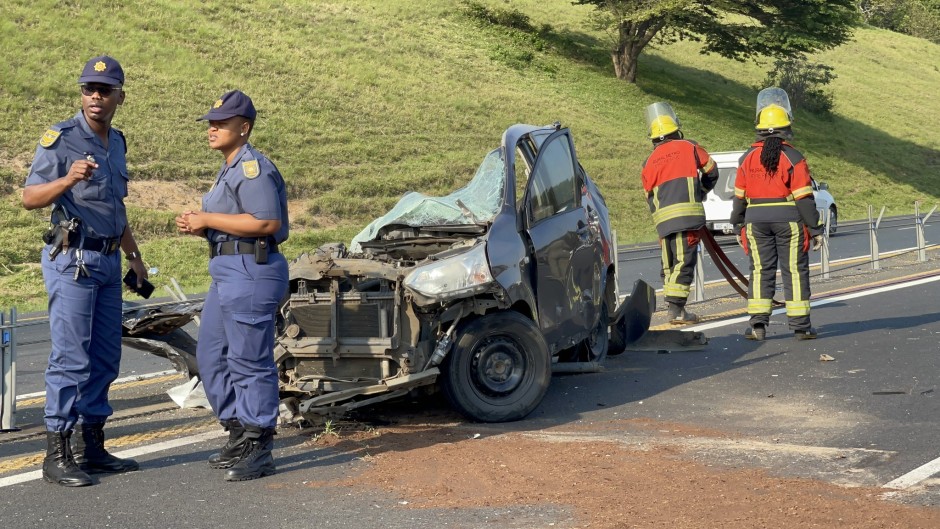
123	138
251	169
51	136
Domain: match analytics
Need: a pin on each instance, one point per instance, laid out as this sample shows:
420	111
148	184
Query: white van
719	200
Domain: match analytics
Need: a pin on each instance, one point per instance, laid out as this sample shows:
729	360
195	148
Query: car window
552	186
522	170
724	189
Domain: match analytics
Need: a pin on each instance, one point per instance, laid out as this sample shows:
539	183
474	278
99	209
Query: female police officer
773	195
244	218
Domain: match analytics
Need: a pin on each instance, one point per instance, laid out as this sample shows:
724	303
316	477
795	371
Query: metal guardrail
8	378
8	342
642	252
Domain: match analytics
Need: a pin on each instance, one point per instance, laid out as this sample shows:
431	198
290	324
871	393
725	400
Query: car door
823	198
563	244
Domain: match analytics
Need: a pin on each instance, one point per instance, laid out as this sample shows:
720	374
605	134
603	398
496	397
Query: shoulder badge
49	138
251	169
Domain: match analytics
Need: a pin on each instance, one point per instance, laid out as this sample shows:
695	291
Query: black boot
59	466
678	315
232	450
255	459
91	455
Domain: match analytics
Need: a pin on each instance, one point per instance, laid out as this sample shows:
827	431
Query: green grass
360	101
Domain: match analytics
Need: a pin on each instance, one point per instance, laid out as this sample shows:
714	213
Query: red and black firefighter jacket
785	196
676	177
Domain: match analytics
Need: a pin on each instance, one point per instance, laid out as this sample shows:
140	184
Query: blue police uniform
235	350
83	280
84	312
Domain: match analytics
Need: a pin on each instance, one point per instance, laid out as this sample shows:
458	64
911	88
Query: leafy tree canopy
733	29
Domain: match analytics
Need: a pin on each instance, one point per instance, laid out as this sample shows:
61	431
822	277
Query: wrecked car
481	294
477	293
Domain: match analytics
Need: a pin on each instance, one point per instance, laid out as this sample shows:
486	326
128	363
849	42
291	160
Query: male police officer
80	168
676	178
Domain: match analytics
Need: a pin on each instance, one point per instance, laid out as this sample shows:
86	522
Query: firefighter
676	178
777	217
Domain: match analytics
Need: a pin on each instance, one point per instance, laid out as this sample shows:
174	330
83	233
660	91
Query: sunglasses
102	89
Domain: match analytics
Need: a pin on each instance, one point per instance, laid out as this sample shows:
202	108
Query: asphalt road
850	243
866	417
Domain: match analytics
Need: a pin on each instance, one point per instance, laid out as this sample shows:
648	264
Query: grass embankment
361	101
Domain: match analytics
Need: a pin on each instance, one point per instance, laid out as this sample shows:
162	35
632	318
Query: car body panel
367	323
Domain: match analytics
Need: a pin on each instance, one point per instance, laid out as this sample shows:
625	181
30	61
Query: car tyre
595	347
499	369
833	219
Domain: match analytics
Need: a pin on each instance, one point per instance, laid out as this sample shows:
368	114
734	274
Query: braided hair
770	154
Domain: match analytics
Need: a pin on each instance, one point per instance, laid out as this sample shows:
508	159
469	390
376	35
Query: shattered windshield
475	203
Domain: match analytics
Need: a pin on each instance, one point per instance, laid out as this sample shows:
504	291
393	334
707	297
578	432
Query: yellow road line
114	387
19	463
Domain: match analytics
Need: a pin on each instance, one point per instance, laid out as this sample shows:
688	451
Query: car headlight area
458	276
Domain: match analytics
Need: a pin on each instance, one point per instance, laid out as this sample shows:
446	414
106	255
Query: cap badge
100	66
251	169
217	104
49	137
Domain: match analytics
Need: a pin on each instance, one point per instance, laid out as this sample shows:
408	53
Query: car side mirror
823	186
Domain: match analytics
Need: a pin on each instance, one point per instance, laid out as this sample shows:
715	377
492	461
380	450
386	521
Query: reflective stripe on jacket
772	197
671	178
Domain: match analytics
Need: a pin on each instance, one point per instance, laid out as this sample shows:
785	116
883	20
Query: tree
732	29
918	18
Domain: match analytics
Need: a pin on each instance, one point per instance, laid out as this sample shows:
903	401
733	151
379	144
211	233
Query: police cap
103	70
231	104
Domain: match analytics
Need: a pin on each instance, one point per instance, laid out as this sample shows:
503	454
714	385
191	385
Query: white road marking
133	452
915	476
131	378
817	303
920	473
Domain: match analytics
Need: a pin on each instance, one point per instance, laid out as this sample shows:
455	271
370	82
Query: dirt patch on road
605	484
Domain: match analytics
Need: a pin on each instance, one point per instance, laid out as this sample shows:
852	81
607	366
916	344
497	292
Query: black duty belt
236	247
105	246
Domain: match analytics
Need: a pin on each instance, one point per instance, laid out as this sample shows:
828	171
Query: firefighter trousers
785	244
680	253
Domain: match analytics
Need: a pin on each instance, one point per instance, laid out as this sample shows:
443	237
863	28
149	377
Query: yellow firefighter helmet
773	109
661	120
773	117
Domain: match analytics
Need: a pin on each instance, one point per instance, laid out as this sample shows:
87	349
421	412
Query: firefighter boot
678	315
756	332
805	334
91	455
59	466
231	451
255	459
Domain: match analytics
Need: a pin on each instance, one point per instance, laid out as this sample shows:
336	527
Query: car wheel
833	219
594	349
499	369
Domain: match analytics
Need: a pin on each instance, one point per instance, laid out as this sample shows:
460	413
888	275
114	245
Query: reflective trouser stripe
797	308
756	303
678	259
759	306
773	244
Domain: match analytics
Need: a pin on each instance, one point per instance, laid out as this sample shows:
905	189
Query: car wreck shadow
636	376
